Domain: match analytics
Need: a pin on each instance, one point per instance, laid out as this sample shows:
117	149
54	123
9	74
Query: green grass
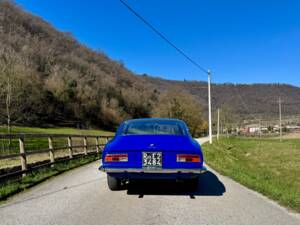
268	166
33	144
55	130
10	188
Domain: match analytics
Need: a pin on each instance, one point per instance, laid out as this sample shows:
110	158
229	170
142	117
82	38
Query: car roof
154	119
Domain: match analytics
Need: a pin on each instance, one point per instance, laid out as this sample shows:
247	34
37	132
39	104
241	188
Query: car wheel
114	184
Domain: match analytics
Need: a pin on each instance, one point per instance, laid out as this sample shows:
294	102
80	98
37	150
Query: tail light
116	158
188	158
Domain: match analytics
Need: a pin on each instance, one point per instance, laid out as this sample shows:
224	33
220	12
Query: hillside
54	80
248	100
78	85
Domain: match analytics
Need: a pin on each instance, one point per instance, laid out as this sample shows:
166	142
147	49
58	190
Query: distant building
255	128
293	128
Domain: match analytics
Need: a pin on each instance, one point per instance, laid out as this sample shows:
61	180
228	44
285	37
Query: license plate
152	159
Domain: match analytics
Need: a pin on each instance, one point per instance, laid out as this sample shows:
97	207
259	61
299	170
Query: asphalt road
81	197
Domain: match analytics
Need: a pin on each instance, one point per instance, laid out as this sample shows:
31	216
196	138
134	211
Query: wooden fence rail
97	147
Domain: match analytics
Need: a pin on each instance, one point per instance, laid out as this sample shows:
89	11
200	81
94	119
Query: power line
208	72
155	30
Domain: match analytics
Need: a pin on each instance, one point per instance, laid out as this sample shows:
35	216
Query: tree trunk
8	109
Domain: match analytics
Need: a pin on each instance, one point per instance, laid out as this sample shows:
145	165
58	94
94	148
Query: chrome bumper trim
151	170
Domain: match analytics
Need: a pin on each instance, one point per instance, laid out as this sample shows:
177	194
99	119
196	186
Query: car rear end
153	164
153	156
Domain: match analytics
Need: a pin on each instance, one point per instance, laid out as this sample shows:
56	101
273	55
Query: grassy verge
10	188
11	146
268	166
55	130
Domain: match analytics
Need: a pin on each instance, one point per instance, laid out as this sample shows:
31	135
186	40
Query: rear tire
114	183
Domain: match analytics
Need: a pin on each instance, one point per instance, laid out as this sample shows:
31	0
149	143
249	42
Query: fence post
106	140
85	145
70	147
51	153
22	155
97	144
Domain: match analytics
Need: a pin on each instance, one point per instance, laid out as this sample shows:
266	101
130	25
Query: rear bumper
153	170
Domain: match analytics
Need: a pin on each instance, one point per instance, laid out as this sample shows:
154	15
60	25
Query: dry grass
295	135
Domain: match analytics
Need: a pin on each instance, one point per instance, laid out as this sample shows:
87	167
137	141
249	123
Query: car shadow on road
208	185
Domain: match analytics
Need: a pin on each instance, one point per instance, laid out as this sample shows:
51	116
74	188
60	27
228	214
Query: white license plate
152	159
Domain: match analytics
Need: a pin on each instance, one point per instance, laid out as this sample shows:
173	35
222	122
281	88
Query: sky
250	41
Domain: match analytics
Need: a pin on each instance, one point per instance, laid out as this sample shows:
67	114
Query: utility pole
209	107
280	121
218	128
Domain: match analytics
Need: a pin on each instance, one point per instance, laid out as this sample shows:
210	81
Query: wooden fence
82	146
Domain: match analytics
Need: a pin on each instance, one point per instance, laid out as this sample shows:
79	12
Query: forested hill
53	79
58	80
247	100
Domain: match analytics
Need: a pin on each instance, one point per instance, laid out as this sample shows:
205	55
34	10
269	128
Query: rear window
153	127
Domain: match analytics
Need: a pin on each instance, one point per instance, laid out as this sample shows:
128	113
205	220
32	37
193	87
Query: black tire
114	184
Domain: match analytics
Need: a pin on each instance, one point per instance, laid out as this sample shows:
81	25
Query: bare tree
8	104
7	74
180	105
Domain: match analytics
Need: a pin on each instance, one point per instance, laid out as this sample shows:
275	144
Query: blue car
152	149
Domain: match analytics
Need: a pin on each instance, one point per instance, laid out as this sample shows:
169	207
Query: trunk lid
152	143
